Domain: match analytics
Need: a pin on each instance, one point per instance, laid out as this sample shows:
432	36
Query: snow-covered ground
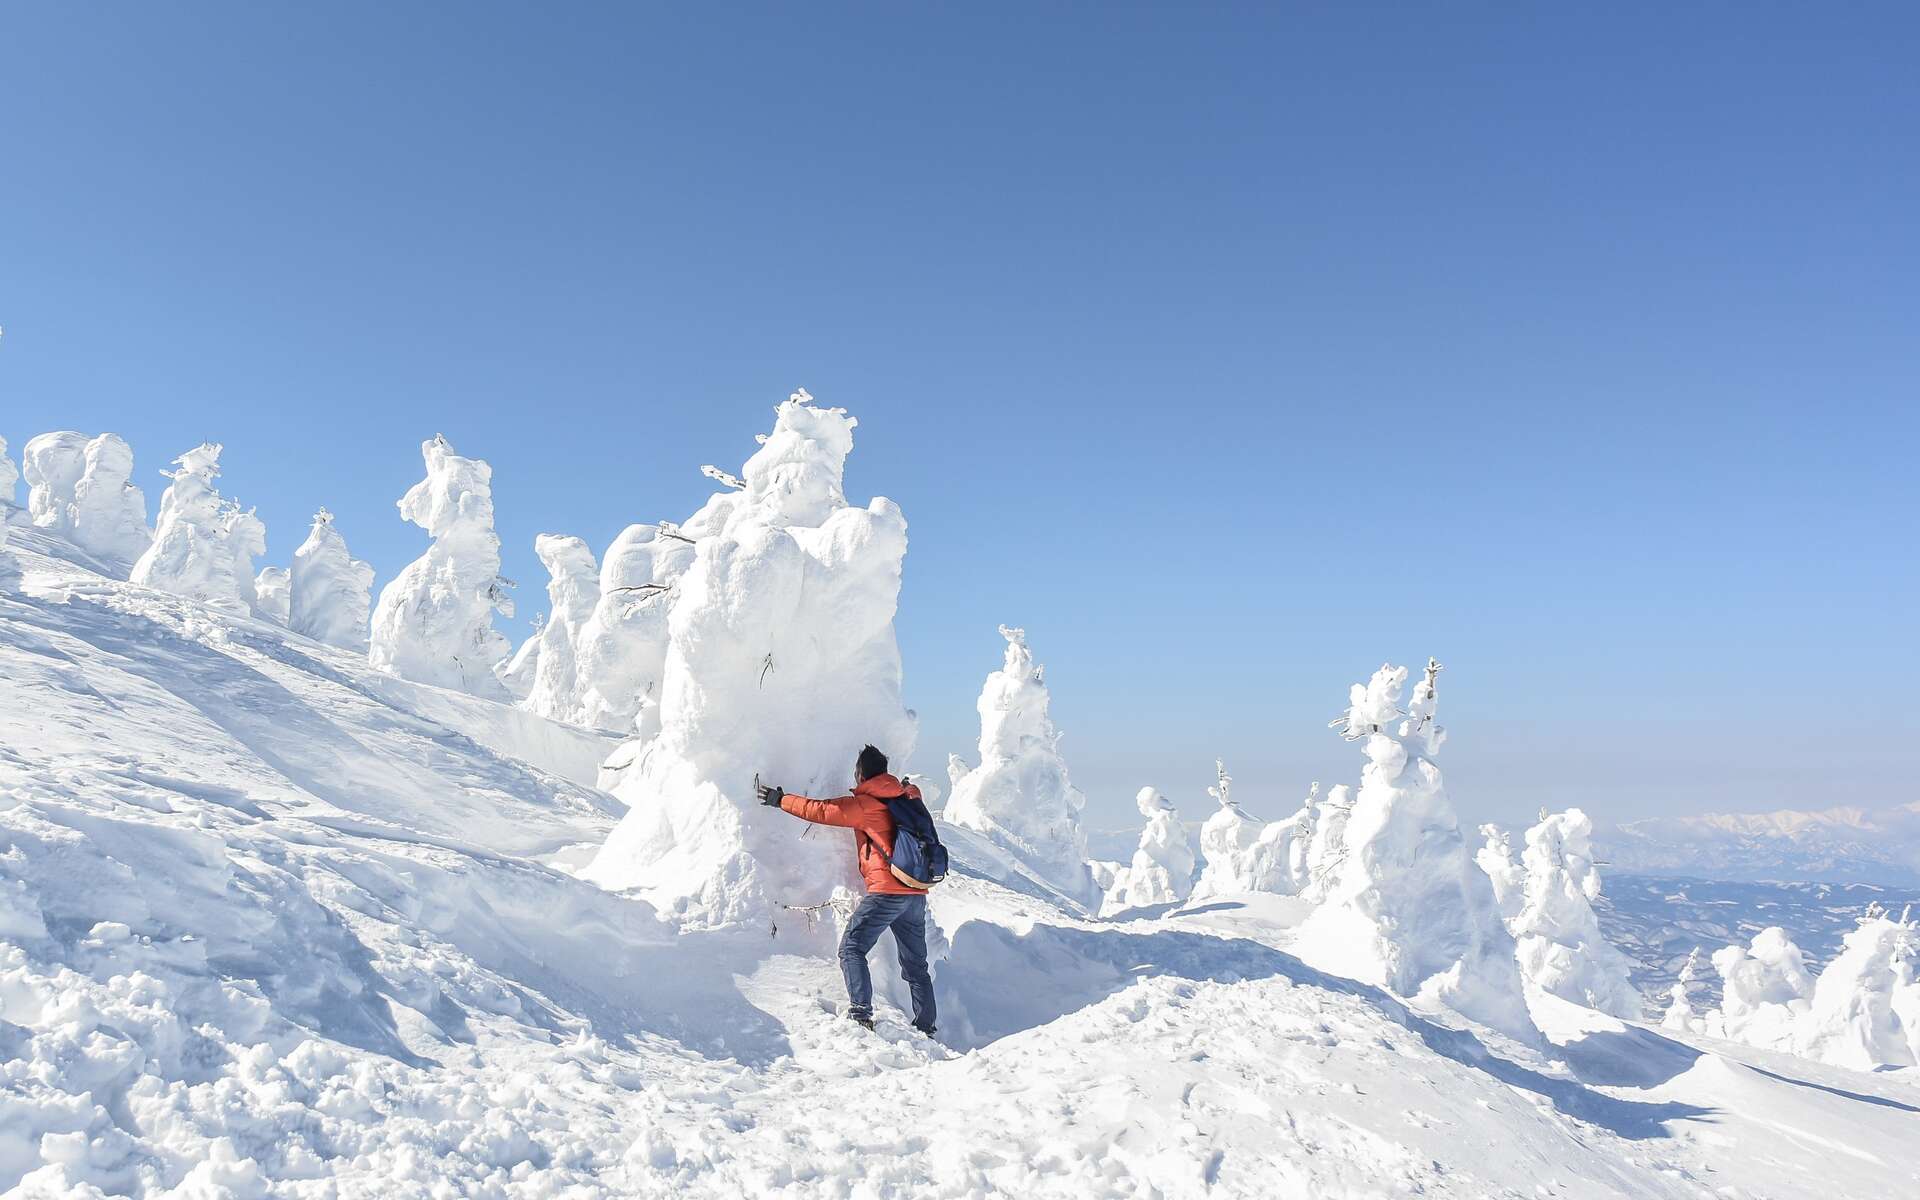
275	923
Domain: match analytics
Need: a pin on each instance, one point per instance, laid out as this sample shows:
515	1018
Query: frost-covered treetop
1420	711
1151	803
201	463
1373	705
1013	704
795	478
457	491
1223	789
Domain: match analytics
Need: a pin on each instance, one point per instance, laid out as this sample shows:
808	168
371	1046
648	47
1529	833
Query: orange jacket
871	823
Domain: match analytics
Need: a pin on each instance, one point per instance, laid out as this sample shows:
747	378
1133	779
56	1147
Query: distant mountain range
1836	845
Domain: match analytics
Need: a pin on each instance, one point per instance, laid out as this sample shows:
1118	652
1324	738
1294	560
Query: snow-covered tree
621	647
1407	907
1680	1013
1305	823
1326	846
53	464
549	664
1020	796
1162	868
82	490
1508	877
203	544
780	661
1561	948
1864	1003
272	594
1244	854
1764	991
330	591
434	622
9	478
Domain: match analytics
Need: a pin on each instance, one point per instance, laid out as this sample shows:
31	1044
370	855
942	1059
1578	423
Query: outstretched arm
838	811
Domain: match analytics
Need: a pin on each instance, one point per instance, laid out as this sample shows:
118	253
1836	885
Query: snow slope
275	924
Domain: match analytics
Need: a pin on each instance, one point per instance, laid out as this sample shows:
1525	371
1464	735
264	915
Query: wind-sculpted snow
781	662
434	622
1020	795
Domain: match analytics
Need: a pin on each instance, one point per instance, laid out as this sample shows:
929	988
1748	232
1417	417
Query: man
889	903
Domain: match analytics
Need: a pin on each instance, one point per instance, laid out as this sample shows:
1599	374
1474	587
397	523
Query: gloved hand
769	795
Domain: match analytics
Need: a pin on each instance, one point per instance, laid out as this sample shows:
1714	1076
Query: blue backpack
918	859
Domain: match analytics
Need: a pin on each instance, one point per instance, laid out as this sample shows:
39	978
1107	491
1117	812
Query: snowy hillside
1836	845
275	923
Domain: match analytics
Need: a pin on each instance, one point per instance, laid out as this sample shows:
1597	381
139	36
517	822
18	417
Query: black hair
870	763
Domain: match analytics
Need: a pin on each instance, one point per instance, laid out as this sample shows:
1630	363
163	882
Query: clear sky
1230	352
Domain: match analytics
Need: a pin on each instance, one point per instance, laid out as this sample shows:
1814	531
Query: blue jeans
907	917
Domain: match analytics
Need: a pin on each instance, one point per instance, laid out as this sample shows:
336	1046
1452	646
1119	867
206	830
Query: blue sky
1230	352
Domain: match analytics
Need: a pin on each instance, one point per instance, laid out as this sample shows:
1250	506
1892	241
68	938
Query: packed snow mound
1561	948
788	598
329	590
1161	871
82	489
1020	795
434	622
203	544
1406	906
